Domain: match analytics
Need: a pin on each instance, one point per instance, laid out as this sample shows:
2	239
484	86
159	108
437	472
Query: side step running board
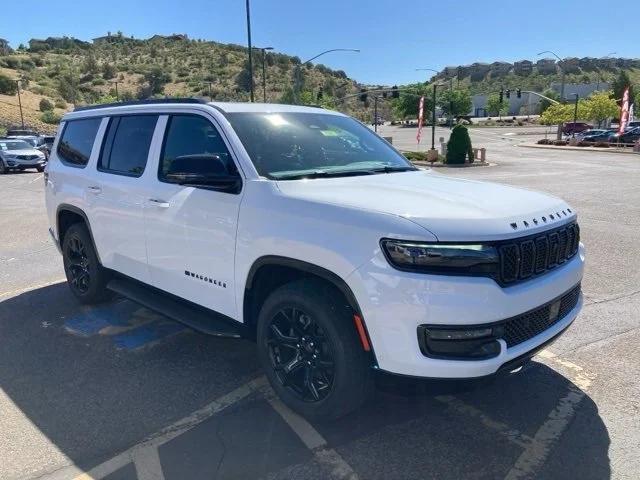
202	320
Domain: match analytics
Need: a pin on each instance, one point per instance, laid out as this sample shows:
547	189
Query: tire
40	169
307	342
86	278
3	168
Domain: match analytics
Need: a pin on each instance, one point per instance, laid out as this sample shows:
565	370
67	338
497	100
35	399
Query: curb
442	165
579	149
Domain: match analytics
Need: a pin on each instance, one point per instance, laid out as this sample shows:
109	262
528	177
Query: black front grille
529	256
523	327
27	157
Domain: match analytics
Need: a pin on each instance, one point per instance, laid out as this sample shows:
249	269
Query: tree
7	86
68	87
558	114
243	80
406	106
456	102
459	145
550	93
108	71
600	106
45	105
621	82
156	78
90	64
495	107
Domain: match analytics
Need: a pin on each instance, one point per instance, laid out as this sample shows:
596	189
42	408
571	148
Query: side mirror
204	171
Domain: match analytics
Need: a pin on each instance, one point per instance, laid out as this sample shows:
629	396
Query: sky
395	37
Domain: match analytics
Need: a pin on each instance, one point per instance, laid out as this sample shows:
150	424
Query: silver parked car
17	154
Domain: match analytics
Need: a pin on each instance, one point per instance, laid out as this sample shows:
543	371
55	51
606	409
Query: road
122	393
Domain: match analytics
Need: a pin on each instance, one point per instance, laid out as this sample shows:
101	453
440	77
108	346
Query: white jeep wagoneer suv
303	229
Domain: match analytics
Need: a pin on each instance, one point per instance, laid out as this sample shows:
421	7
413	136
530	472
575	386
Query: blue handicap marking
148	334
127	324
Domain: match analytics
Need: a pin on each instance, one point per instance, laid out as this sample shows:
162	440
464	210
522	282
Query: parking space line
147	463
535	455
325	455
168	433
503	429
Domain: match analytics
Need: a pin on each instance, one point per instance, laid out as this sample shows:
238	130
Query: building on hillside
478	71
172	37
546	66
500	69
571	65
523	67
5	49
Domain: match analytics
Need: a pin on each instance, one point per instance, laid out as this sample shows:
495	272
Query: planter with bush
459	146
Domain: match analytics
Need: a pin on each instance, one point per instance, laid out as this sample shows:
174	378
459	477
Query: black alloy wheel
77	265
300	355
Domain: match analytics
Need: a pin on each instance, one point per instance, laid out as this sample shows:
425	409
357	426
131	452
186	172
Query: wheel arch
270	272
67	215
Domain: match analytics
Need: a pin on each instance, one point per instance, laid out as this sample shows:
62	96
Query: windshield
297	145
15	145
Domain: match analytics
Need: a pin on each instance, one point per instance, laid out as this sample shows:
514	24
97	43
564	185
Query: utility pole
575	115
433	118
115	82
20	104
250	51
210	95
375	113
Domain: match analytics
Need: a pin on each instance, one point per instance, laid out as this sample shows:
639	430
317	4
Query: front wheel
3	168
40	169
86	278
310	350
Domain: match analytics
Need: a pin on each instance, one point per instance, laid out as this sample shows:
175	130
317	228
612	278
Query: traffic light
501	95
363	95
320	95
394	92
507	93
519	93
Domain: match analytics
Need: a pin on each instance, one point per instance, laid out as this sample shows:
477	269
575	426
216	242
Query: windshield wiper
389	169
324	174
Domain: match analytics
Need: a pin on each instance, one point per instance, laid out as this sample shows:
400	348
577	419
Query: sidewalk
581	149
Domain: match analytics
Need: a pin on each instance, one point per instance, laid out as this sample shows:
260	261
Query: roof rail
153	101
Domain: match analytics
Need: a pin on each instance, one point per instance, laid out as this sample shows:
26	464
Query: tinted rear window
77	140
126	145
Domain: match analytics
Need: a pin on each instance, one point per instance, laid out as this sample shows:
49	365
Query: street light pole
296	83
562	79
433	118
264	71
250	51
20	104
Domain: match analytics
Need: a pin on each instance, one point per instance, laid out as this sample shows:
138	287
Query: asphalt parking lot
119	392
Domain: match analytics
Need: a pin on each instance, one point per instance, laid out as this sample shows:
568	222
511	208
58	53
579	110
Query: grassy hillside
68	71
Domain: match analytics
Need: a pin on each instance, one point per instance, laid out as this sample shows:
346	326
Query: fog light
458	334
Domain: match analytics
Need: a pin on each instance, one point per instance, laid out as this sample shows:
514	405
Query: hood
452	209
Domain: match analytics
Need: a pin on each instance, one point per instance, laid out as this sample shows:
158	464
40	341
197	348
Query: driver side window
193	145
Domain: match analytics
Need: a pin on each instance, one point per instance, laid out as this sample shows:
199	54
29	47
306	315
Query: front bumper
39	162
394	304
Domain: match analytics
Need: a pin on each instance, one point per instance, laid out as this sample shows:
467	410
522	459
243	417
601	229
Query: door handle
158	203
94	189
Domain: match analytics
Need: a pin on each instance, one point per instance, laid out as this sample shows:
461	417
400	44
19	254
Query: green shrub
50	117
45	105
459	145
7	86
60	103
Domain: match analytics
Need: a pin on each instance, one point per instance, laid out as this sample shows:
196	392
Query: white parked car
18	154
303	229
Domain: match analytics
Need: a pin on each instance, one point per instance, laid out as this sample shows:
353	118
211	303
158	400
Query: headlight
442	258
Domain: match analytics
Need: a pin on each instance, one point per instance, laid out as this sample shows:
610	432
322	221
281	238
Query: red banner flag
420	116
624	111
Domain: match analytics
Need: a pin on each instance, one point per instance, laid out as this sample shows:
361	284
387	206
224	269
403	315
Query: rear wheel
86	278
310	350
40	169
3	168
